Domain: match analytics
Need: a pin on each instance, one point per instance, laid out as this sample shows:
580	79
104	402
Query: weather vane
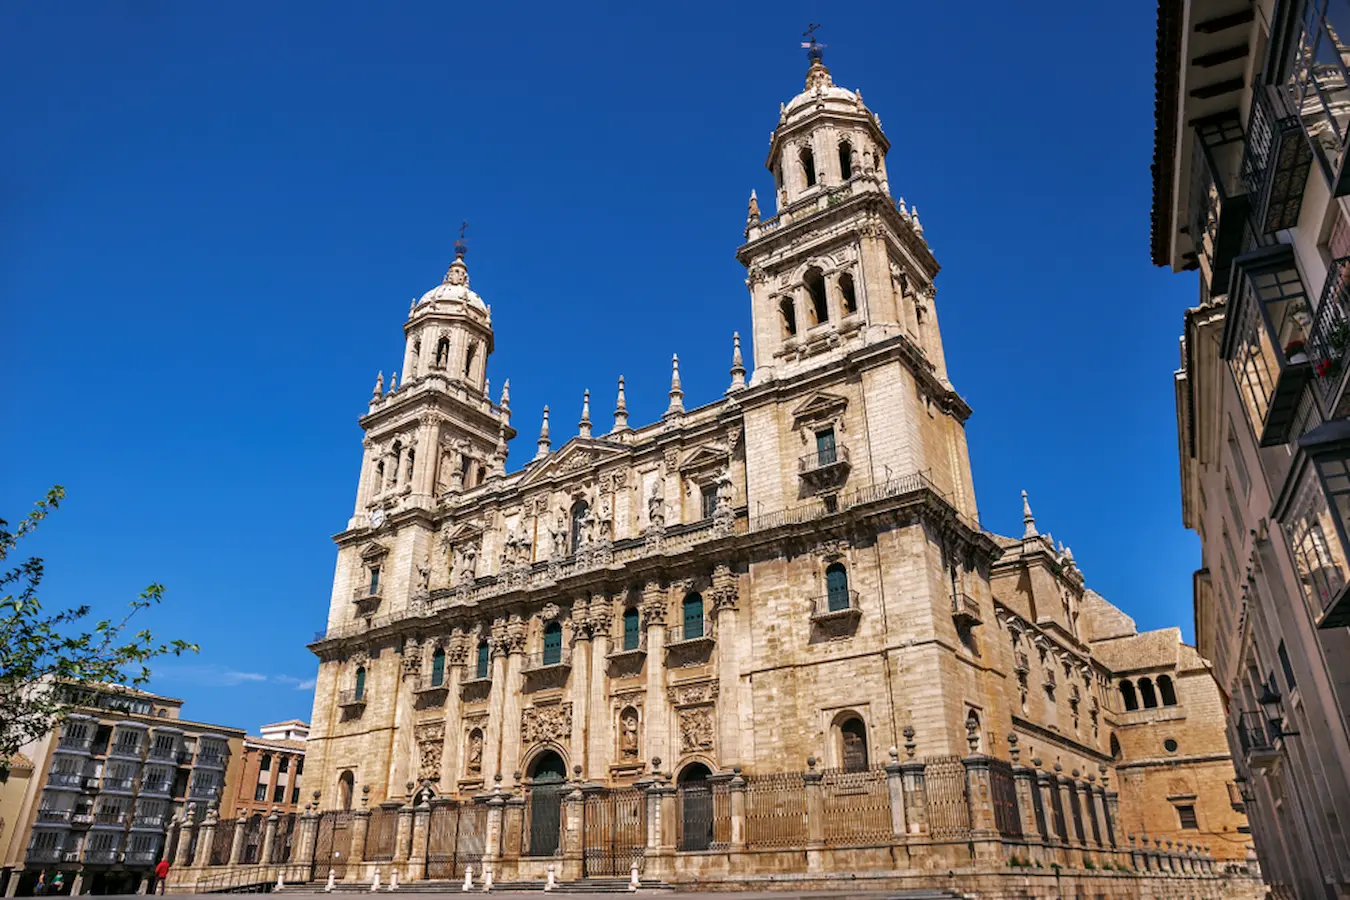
811	45
460	246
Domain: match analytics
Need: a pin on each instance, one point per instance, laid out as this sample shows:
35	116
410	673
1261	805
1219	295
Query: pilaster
656	707
600	731
356	854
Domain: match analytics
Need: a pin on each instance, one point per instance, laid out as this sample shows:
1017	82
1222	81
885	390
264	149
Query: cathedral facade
789	582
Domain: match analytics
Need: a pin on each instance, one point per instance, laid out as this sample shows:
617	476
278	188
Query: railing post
237	840
573	848
206	835
895	788
736	793
1024	783
356	853
403	834
815	816
182	853
269	838
308	832
421	833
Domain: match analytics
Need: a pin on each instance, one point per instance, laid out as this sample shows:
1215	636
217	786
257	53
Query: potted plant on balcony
1296	352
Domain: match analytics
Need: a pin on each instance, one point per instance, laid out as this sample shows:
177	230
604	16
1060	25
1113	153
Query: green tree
44	655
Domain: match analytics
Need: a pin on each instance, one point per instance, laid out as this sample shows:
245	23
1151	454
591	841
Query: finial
379	385
752	213
1028	520
914	220
737	364
544	442
393	382
461	247
904	212
584	426
1068	557
505	402
412	307
621	410
499	457
676	394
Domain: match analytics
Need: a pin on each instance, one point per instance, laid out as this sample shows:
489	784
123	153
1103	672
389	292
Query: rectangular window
1286	667
825	451
1239	466
1187	816
1234	508
266	764
484	660
260	793
279	794
284	764
300	766
374	580
1316	546
708	493
1228	548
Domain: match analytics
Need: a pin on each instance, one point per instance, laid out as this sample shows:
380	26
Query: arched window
416	357
788	311
438	667
442	352
1146	693
815	288
359	692
469	358
848	294
845	160
836	587
398	463
808	160
346	782
632	629
579	511
853	737
693	616
1166	691
1128	695
552	644
412	459
484	660
265	764
379	476
1115	747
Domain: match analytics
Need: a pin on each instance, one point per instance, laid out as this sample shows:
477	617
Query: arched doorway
696	807
548	784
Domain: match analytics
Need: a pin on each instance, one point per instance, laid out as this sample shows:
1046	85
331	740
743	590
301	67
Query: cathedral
764	634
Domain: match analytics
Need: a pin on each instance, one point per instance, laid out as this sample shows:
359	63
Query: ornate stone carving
550	612
831	550
546	723
671	458
412	657
473	754
656	507
581	460
430	738
696	729
692	693
653	604
725	592
628	733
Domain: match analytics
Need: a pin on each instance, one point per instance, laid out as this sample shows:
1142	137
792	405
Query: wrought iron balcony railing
126	749
559	658
431	684
75	743
689	633
630	644
1276	160
44	854
1331	338
839	605
82	817
53	815
824	463
64	779
367	593
118	784
214	760
110	818
1257	737
169	753
141	857
100	855
147	822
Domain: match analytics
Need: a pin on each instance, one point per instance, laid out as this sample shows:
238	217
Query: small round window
1170	745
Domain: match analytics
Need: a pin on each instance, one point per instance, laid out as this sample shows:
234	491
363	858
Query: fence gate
332	845
455	840
695	819
614	832
1007	817
543	812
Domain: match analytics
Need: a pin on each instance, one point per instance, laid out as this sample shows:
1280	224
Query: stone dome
820	88
454	289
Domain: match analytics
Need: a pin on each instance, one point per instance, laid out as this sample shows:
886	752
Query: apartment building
1250	185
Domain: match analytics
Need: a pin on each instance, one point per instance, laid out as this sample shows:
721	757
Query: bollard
487	878
375	881
328	888
393	880
633	878
281	882
552	879
468	879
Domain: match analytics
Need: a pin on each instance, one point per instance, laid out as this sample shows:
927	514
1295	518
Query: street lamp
1271	701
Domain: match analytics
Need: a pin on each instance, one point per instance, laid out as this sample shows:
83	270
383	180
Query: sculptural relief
628	733
696	729
546	723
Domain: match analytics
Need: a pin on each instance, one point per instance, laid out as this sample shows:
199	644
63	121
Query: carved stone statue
559	535
475	757
656	506
628	733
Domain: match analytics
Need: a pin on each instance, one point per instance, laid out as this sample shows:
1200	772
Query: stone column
269	838
979	796
403	835
657	707
895	787
428	454
736	792
1098	795
1066	802
725	603
237	841
815	816
206	836
492	750
356	854
509	758
1113	815
457	654
421	833
573	840
307	834
600	731
580	689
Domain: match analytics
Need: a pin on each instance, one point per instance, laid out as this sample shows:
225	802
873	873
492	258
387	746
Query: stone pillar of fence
492	842
306	833
206	836
269	838
736	794
895	788
815	816
421	830
916	798
1024	783
573	837
513	824
182	853
356	853
403	835
659	858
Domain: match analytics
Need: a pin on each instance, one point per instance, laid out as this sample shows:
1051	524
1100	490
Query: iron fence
222	841
775	810
381	832
857	806
948	809
614	832
1003	789
703	816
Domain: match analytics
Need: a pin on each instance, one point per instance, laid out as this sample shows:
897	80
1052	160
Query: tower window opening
469	358
836	587
848	294
359	688
853	738
438	667
692	609
815	288
1166	691
412	458
808	166
379	476
845	160
442	352
398	464
1147	694
1128	695
789	313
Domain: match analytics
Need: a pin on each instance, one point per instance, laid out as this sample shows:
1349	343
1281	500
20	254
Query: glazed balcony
65	780
1331	339
118	785
966	609
1218	197
841	606
44	854
825	468
102	856
54	816
1265	340
75	744
115	818
1276	161
1255	736
165	753
142	857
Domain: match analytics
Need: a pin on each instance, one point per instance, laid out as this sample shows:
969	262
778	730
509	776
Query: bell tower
840	263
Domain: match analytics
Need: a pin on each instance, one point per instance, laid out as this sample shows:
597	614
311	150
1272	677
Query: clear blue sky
212	218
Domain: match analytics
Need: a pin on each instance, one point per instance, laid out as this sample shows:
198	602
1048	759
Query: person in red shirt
162	873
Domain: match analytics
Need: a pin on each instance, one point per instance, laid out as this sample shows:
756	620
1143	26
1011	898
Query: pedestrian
162	874
41	887
59	883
